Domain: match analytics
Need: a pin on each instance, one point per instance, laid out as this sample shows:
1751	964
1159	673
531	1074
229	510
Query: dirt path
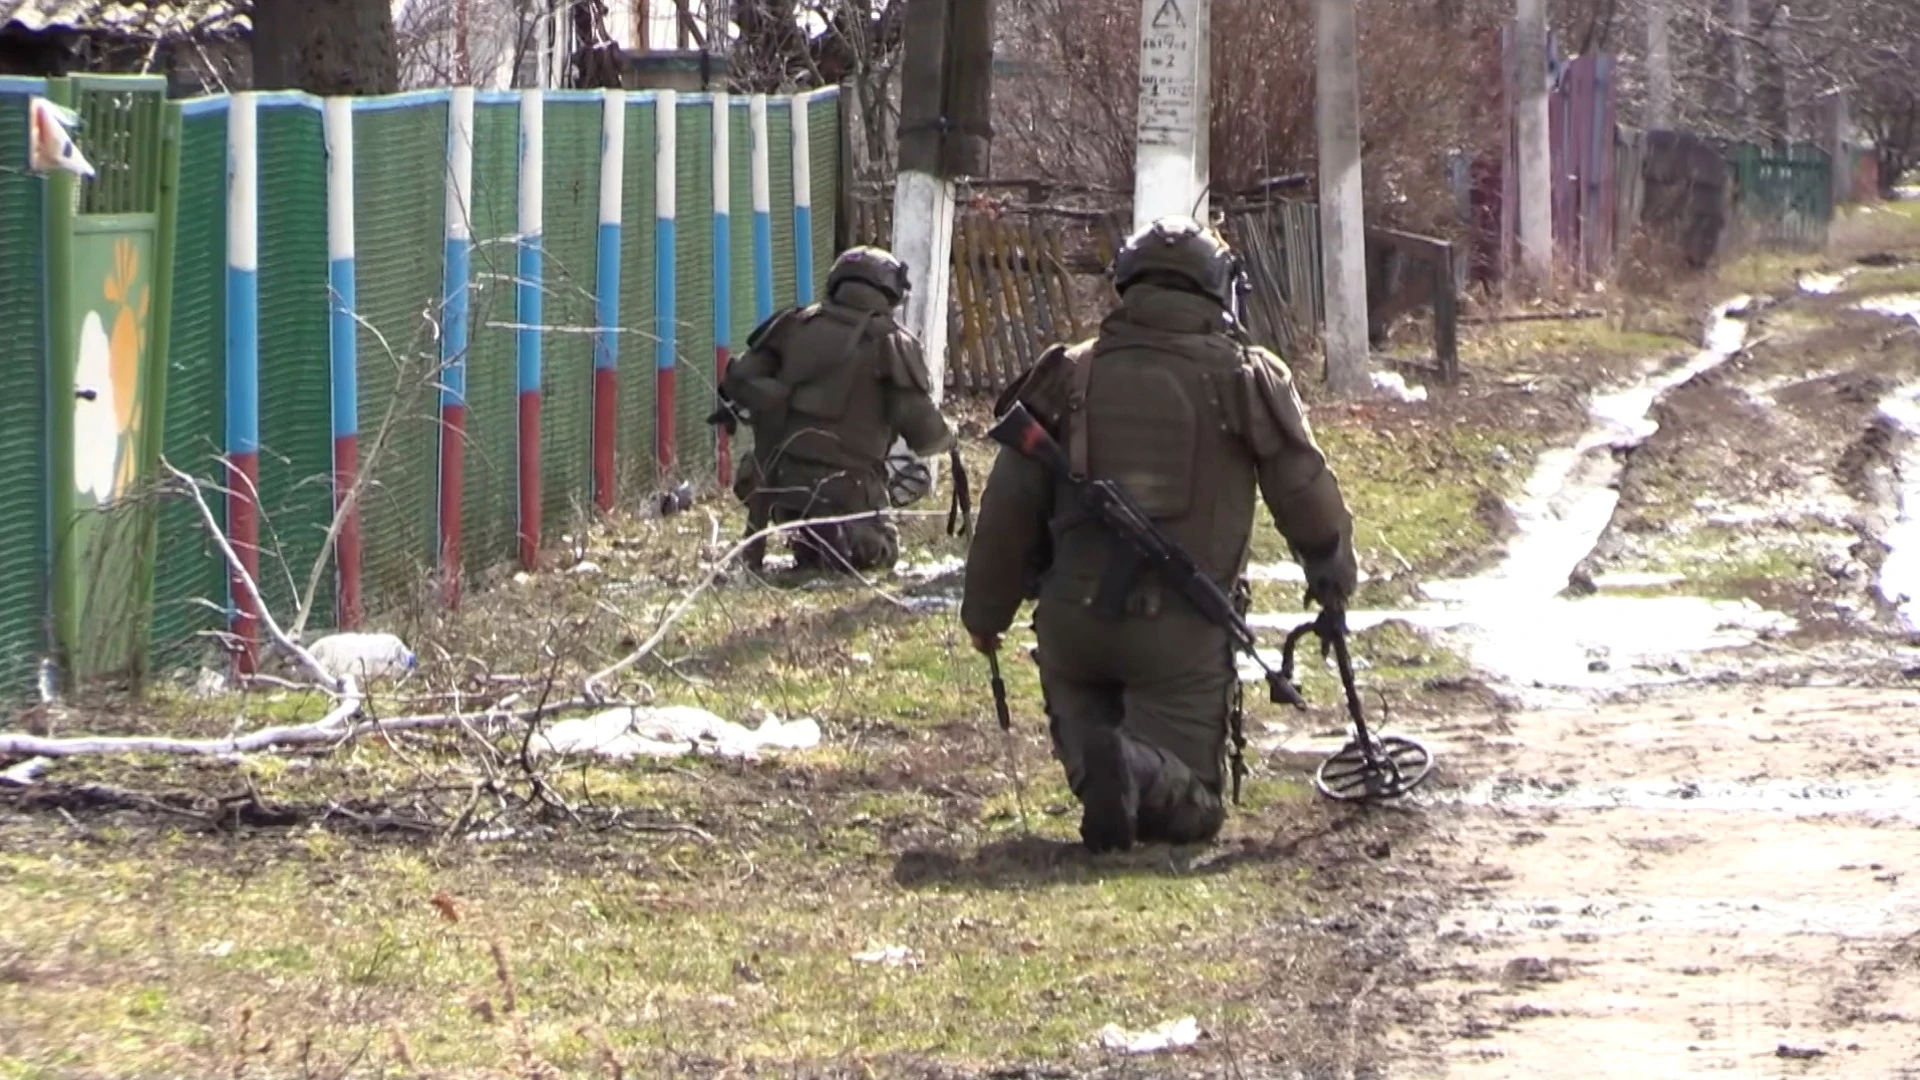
1709	883
1698	853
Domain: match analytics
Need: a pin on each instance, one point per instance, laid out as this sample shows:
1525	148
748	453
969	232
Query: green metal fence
1784	197
99	294
487	499
23	408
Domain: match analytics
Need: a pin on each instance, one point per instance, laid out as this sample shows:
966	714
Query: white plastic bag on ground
672	731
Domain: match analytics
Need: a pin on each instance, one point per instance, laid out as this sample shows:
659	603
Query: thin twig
307	660
594	684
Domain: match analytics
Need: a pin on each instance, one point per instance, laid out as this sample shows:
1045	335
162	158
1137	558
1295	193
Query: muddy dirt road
1691	844
1717	883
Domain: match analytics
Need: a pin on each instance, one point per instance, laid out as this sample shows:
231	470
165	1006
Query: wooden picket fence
1024	276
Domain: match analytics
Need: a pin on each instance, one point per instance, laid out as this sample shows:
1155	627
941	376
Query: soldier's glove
725	414
1332	575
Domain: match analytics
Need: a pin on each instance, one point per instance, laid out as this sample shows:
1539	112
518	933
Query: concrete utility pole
1839	124
1170	172
1343	237
1659	68
945	132
1534	139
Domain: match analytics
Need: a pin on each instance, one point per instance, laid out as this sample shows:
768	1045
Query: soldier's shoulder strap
1272	417
777	323
903	362
1051	386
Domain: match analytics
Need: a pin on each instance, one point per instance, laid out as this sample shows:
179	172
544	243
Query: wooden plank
1019	326
1077	327
992	337
967	299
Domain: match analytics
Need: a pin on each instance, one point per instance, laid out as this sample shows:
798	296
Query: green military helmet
1181	248
872	266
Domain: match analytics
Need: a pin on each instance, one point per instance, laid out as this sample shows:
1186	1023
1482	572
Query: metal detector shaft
1348	684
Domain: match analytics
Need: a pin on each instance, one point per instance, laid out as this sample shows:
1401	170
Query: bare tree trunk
1741	16
1659	68
1536	149
325	46
1778	111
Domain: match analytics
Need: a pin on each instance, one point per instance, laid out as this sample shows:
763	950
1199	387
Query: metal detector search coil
1366	768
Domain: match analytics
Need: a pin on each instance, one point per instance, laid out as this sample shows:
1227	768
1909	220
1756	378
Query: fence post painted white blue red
343	355
802	200
606	335
528	314
762	209
665	203
722	265
243	366
455	334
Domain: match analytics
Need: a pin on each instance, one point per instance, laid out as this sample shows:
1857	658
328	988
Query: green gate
109	277
1784	197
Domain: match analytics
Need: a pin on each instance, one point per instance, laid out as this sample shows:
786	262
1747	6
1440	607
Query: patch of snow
1824	284
1899	583
674	731
1392	385
1515	621
927	571
1170	1035
364	656
1285	573
1905	306
888	956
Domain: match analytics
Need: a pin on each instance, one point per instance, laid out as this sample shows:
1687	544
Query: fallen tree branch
332	730
593	687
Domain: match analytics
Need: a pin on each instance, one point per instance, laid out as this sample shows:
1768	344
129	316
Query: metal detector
1366	768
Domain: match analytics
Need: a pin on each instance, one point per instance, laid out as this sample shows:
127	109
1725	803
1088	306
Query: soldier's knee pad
1176	806
1194	820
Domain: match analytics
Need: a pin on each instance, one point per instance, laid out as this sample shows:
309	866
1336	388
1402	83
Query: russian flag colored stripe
762	210
456	335
722	265
802	200
606	352
343	355
243	369
666	120
529	312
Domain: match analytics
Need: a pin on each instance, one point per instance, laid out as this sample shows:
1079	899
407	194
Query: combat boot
1109	794
1175	806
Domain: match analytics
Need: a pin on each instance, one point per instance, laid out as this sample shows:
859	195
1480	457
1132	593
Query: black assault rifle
1366	767
1144	546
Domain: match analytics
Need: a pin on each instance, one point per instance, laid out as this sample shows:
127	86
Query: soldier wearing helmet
1172	402
826	390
